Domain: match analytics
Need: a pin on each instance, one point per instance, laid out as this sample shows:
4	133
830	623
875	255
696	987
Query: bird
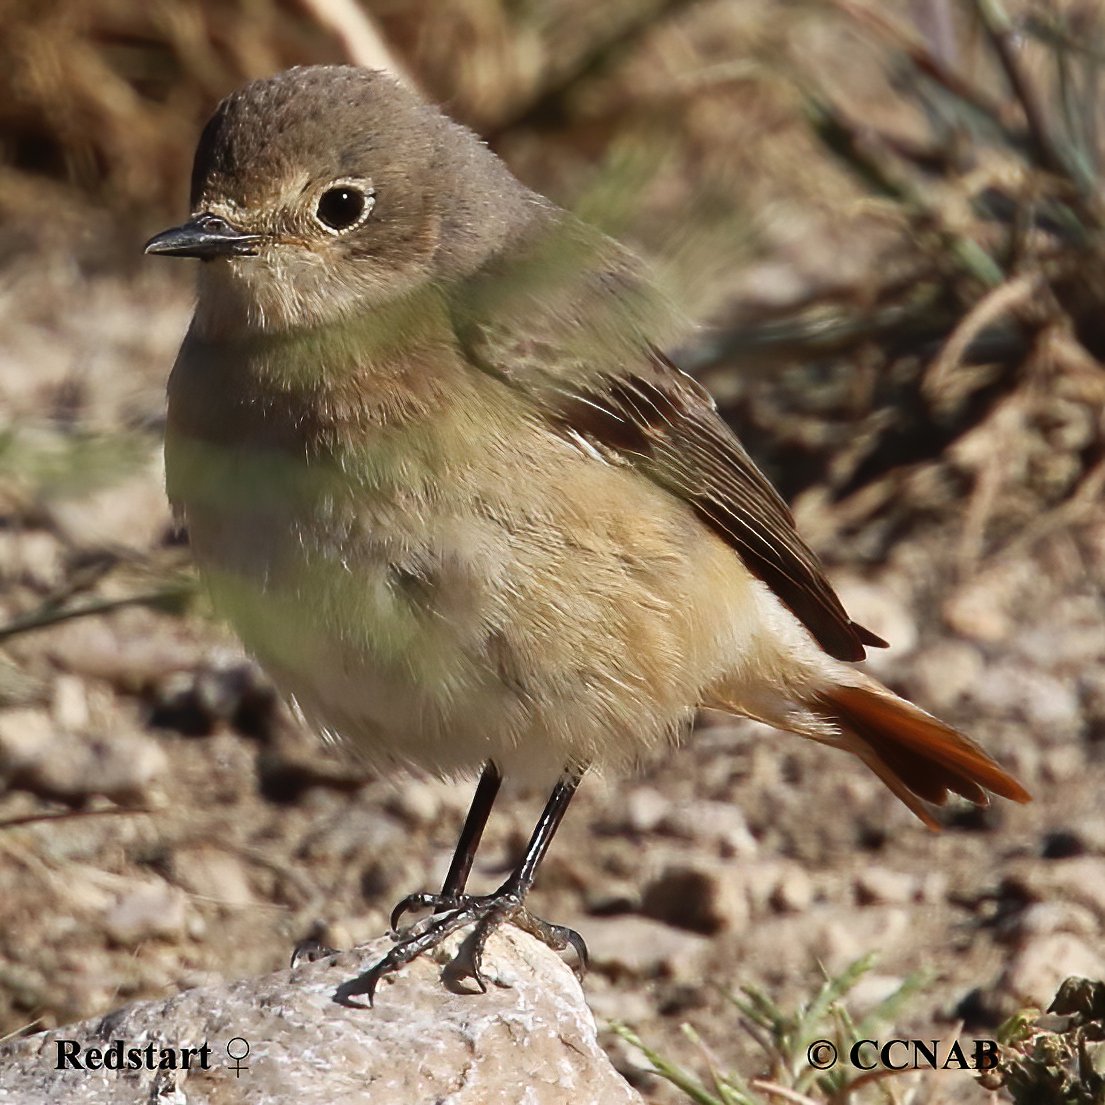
441	475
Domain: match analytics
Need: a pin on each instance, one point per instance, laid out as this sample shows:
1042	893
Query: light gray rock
37	756
638	947
530	1040
1035	972
147	909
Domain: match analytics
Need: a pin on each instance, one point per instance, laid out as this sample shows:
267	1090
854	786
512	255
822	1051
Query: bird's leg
312	949
486	912
452	889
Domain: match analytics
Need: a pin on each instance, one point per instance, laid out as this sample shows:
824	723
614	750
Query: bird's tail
917	756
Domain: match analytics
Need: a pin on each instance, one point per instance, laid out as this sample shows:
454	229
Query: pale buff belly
577	615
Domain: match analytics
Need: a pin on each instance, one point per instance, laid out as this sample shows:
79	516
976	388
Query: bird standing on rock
441	478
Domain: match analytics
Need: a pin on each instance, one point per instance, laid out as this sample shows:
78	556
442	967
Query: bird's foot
311	950
484	912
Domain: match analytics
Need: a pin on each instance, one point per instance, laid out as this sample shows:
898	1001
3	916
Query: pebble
881	886
879	608
837	941
944	673
1079	879
644	809
698	896
719	824
1045	918
1036	972
793	891
131	512
213	875
642	948
149	910
69	702
125	650
51	762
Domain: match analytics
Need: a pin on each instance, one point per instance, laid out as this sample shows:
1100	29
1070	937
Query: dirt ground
164	822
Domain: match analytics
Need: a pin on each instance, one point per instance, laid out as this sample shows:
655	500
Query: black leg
312	949
486	912
556	807
460	868
478	813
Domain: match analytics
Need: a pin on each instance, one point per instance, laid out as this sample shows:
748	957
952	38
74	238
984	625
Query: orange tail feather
917	756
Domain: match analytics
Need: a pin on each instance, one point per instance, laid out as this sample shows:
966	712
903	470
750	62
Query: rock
530	1038
128	650
225	690
19	687
643	810
720	824
612	897
642	948
1035	972
793	892
881	610
416	802
36	756
214	875
131	512
32	556
148	910
945	672
69	703
699	896
839	938
870	991
1080	879
881	886
1045	918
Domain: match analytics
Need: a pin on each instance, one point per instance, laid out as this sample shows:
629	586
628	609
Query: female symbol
241	1045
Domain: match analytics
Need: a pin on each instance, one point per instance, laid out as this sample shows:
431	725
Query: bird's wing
593	374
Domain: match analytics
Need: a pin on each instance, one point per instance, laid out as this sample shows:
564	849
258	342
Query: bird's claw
485	912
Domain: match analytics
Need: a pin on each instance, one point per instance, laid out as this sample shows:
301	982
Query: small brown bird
440	476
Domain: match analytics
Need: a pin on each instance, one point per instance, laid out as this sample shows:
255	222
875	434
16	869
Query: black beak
205	236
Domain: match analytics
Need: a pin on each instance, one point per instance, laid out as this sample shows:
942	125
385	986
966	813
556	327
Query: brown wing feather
571	338
666	424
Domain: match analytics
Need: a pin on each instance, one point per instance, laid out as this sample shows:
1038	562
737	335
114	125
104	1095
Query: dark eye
343	206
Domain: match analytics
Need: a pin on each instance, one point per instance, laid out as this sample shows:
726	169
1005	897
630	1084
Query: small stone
870	992
53	763
1079	879
794	891
1044	918
881	886
611	898
837	941
226	690
132	512
720	824
125	651
644	809
699	897
881	610
149	910
214	875
638	947
945	672
1036	972
417	802
34	557
69	704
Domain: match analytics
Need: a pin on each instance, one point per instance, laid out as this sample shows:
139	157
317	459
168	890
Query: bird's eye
344	206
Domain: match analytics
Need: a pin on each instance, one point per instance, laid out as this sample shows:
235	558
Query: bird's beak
206	237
